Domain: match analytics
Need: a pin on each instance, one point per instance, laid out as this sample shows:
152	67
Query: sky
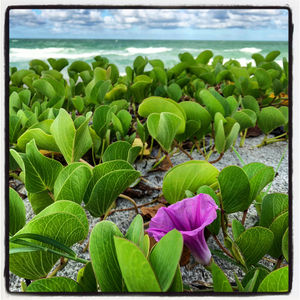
185	24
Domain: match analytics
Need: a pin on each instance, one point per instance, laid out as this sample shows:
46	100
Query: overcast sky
202	24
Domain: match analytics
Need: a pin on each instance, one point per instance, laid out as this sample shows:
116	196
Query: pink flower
189	216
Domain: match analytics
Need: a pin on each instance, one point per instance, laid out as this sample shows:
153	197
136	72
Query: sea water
123	52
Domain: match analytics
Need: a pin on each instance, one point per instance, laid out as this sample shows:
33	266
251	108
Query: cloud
87	20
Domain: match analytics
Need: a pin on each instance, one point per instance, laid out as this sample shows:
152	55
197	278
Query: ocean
123	52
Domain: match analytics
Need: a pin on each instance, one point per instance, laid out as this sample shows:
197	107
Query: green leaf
101	119
204	57
45	88
159	105
270	118
278	227
237	228
71	226
220	281
17	77
214	227
212	104
104	257
73	144
254	243
39	201
86	278
42	139
263	272
177	284
139	65
55	284
272	206
163	127
58	64
285	245
14	128
276	281
108	188
258	58
79	66
188	176
146	245
249	102
246	118
17	212
78	103
263	78
72	182
233	133
174	91
40	171
136	270
259	176
135	232
220	140
116	151
165	257
272	55
235	189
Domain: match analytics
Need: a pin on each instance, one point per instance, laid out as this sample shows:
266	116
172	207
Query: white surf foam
149	50
250	50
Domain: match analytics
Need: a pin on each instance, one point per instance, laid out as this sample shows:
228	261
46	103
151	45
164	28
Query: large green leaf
17	212
263	272
211	103
108	188
73	144
254	243
55	284
165	257
235	189
270	118
263	78
220	281
177	284
64	221
278	227
277	281
104	258
249	102
246	118
272	206
72	182
259	176
86	278
237	228
15	127
135	232
188	176
163	127
43	140
40	200
40	171
136	269
158	105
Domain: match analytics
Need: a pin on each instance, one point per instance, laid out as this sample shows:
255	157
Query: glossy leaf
188	176
17	212
285	245
86	278
165	257
235	189
163	127
71	182
220	281
237	228
270	118
104	257
272	206
263	272
278	227
135	232
276	281
246	118
55	284
212	104
71	225
73	143
40	200
254	243
40	171
136	270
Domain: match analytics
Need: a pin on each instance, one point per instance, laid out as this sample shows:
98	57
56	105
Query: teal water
123	52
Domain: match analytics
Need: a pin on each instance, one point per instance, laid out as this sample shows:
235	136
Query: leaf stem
131	200
219	158
278	263
199	149
183	151
62	264
244	216
242	142
222	247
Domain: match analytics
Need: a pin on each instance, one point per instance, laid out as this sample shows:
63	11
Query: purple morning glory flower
189	216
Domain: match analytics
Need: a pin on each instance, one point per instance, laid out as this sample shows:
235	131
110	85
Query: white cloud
58	20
